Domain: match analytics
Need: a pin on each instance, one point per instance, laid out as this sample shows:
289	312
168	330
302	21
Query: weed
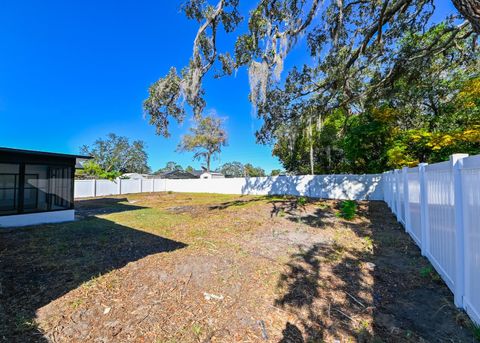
323	206
475	331
281	213
429	272
23	324
76	303
425	271
368	243
302	201
348	209
197	329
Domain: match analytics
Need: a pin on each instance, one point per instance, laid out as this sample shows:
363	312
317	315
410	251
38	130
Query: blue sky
71	72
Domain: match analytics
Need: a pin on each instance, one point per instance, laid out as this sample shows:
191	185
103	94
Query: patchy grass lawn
220	268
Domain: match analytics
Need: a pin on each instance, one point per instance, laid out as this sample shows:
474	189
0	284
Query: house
135	176
178	174
212	175
36	187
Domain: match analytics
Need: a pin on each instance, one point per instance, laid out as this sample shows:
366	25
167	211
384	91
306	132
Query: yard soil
217	268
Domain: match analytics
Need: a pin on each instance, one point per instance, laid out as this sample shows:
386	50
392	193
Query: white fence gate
439	206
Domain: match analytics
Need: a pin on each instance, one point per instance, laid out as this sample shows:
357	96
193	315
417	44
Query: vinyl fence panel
147	185
106	187
470	177
441	225
439	204
413	208
84	188
129	186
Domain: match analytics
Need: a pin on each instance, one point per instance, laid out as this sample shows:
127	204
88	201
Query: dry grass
220	268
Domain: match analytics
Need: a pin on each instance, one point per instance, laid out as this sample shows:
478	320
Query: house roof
196	172
178	174
22	155
42	153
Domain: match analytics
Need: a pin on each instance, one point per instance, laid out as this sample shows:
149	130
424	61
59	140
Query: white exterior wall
37	218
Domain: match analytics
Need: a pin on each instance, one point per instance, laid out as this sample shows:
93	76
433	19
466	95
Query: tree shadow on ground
279	202
331	289
235	203
40	264
92	207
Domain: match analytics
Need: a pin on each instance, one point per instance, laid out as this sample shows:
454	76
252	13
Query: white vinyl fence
439	206
355	187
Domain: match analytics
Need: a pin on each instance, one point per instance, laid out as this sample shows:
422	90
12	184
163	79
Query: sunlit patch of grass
197	233
153	220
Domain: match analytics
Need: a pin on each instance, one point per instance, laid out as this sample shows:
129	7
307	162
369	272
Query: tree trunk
208	163
470	10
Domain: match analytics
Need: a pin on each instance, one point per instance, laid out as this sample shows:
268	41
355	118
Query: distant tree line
229	169
114	156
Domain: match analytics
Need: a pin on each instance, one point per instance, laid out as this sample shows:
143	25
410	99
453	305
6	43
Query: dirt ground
219	268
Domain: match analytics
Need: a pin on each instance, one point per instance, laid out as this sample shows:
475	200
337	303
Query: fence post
456	161
119	186
398	205
406	199
385	187
390	189
423	198
94	188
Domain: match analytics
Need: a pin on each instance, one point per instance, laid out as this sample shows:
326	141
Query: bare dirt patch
218	268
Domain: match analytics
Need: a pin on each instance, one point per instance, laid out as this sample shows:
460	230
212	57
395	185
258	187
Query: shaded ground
219	268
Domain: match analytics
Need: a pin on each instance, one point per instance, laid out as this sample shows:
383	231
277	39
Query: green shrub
301	201
348	209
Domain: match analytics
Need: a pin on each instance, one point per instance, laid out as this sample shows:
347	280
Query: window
9	178
60	187
35	189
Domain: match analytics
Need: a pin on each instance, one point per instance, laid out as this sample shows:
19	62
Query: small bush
348	209
301	201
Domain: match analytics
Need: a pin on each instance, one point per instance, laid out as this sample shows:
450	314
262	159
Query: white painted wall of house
37	218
